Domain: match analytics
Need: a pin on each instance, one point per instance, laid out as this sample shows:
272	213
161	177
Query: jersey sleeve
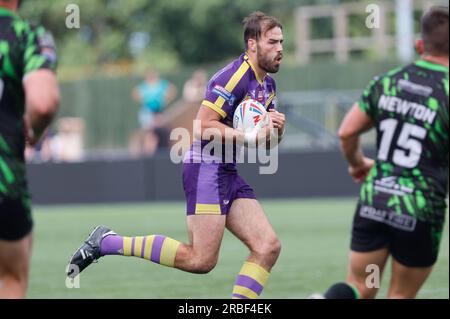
40	51
225	90
446	102
369	99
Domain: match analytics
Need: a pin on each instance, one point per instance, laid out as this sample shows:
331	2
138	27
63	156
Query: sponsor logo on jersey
391	218
224	93
414	88
260	97
389	185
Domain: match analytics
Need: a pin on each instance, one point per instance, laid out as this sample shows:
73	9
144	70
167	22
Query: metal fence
313	118
347	37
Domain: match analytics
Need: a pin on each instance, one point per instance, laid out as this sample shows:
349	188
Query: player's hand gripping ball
251	117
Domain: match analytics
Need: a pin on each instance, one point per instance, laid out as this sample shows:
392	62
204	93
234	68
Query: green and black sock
341	290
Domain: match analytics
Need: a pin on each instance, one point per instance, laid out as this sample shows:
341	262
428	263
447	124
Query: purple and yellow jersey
210	180
233	84
226	90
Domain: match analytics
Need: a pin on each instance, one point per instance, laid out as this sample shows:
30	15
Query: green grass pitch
314	233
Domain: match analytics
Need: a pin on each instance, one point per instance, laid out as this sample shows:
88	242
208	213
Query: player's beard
267	64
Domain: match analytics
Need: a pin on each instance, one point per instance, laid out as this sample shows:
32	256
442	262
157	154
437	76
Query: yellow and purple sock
157	248
250	281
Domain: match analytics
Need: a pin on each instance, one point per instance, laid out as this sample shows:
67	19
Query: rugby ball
248	113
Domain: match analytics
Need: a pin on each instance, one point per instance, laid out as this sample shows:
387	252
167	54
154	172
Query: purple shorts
211	188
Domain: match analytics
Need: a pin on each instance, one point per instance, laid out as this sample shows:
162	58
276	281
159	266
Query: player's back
410	110
11	91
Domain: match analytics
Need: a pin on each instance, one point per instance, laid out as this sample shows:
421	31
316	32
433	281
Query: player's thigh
414	253
406	281
365	270
370	244
418	246
248	222
15	257
206	233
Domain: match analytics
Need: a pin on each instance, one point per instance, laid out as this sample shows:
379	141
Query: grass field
314	234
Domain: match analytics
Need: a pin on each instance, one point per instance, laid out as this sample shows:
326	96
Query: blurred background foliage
129	33
118	40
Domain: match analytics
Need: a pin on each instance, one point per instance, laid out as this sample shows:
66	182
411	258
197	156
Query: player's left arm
354	124
279	121
276	135
278	118
42	101
40	83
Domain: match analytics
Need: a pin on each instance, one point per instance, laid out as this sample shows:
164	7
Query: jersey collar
431	66
7	12
261	81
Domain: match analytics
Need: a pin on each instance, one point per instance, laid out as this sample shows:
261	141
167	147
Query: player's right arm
224	92
354	124
358	120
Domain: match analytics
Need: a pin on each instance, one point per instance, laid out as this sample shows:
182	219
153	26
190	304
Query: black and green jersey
23	48
409	108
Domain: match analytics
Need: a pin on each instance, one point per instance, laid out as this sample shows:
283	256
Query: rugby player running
216	196
402	204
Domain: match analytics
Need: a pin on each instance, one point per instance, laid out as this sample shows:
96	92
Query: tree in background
176	31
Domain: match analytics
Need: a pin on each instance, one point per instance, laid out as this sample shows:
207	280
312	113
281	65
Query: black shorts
15	219
411	242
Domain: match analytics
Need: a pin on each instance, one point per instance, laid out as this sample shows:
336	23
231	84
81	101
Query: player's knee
270	249
275	249
12	270
205	265
15	279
